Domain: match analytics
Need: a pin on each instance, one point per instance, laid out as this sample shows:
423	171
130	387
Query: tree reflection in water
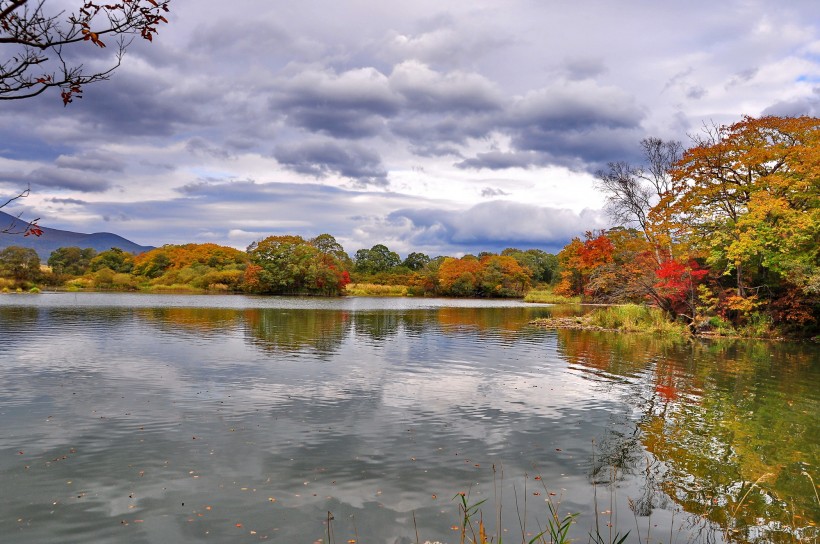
725	433
728	430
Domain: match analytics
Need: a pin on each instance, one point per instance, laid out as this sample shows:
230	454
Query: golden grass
376	290
546	296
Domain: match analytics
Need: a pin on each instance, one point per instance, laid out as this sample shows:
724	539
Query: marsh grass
546	296
175	288
555	526
556	530
376	290
758	326
635	318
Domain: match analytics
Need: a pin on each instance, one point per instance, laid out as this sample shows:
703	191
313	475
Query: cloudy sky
443	127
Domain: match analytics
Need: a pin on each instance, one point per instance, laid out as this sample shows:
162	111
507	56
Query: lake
163	418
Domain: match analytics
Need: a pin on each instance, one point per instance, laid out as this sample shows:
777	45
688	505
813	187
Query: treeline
723	235
279	265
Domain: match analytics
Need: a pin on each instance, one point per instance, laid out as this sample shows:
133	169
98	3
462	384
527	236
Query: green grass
546	296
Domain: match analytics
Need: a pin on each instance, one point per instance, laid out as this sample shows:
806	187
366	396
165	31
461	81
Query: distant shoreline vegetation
279	265
720	237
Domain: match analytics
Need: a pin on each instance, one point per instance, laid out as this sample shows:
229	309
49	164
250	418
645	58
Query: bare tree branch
631	191
37	43
17	225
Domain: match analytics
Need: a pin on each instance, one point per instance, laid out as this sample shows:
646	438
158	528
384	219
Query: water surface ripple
140	418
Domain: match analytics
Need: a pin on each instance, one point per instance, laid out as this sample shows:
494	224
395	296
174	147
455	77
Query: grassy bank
625	318
546	296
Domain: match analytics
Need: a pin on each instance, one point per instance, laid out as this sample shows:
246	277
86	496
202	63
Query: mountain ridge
52	239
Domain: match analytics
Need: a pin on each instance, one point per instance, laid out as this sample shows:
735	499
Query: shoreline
582	323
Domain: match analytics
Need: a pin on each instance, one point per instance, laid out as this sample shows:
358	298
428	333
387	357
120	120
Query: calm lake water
163	419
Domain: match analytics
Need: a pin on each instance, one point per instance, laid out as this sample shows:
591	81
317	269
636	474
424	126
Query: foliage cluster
283	265
727	232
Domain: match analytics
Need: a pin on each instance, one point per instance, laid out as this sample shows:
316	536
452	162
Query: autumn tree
627	274
542	265
291	265
202	266
459	277
747	197
42	43
503	276
578	260
489	276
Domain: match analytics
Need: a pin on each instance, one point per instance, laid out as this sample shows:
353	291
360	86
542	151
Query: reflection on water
731	426
179	422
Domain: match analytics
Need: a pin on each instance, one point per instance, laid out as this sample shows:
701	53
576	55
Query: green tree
328	245
376	259
114	259
416	261
542	265
291	265
71	260
20	263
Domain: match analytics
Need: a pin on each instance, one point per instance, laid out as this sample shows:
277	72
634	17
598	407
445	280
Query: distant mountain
55	238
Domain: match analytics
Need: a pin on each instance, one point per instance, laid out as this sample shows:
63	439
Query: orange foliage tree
459	277
202	266
490	276
746	198
578	261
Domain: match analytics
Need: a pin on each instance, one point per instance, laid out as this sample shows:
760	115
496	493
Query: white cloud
214	129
